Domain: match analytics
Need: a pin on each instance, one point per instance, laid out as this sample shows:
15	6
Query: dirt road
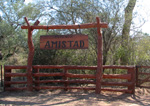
75	98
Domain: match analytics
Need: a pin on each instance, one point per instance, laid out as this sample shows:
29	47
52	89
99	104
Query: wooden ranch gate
33	81
82	78
143	76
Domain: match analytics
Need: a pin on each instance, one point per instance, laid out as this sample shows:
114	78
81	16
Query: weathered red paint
118	76
118	90
37	78
15	82
99	58
117	83
79	41
132	72
67	75
82	26
1	75
65	78
97	25
61	87
15	74
30	28
66	81
140	81
6	78
30	55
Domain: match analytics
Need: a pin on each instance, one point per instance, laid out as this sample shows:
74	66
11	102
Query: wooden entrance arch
97	25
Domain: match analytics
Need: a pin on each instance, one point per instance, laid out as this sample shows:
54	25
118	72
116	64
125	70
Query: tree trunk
126	31
1	57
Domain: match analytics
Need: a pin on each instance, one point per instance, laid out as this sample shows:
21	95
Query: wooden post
30	58
137	76
6	78
132	72
99	58
1	76
65	78
37	79
30	55
134	79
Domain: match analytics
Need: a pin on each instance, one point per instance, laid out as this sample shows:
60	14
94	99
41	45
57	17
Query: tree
12	38
142	48
78	12
126	31
53	12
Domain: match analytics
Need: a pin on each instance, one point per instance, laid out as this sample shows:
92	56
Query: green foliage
142	49
13	40
126	31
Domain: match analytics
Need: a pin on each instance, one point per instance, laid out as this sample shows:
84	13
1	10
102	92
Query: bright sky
143	9
28	1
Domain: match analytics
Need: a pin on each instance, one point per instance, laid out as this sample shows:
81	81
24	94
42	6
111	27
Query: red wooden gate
38	84
97	25
143	76
32	80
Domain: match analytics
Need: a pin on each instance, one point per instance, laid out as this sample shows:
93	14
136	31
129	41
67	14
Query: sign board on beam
79	41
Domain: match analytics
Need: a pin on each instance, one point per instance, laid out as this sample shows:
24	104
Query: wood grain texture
82	26
79	41
99	57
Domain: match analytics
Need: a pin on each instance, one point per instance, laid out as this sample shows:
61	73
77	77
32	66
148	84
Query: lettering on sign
64	42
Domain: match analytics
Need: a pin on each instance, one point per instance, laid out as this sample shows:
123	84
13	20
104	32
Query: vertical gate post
6	78
1	75
30	55
137	76
37	85
30	58
65	78
132	72
99	58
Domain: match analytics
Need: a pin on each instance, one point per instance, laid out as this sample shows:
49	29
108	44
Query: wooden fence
143	76
82	78
1	71
129	78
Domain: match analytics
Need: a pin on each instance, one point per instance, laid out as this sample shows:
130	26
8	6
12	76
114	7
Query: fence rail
82	78
139	73
1	70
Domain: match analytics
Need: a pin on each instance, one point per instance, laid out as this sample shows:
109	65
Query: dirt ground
74	98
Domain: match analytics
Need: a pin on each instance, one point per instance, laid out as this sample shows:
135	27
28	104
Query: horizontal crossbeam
82	26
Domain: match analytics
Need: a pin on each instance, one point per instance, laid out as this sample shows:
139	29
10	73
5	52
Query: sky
143	7
143	13
27	1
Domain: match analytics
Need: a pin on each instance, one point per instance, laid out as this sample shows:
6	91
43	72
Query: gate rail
90	79
139	81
